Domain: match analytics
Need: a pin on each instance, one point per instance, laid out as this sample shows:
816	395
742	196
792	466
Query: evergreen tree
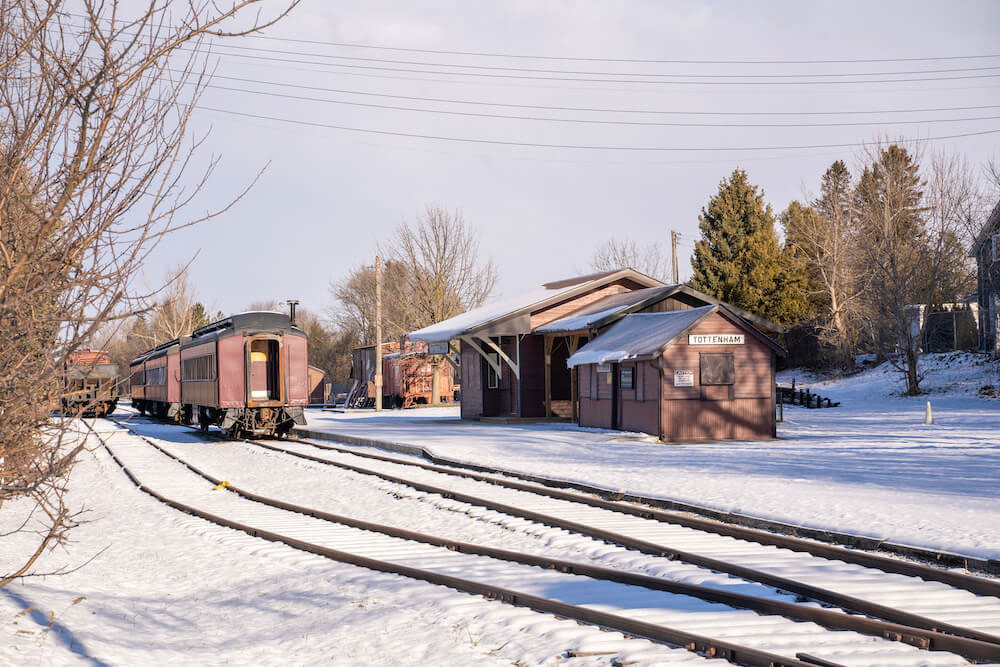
738	258
803	277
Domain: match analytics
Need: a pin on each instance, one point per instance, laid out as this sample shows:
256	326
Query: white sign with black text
683	378
438	347
715	339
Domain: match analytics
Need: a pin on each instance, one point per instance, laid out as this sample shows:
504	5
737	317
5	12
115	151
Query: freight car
247	373
90	383
408	371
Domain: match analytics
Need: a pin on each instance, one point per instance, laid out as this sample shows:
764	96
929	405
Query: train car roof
251	322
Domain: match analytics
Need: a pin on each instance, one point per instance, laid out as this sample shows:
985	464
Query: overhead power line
590	121
660	79
651	61
682	75
544	107
526	144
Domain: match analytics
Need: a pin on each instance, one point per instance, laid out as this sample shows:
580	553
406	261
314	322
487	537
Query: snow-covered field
869	467
166	588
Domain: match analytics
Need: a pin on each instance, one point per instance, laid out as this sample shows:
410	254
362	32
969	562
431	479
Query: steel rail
693	642
936	557
972	649
971	583
846	602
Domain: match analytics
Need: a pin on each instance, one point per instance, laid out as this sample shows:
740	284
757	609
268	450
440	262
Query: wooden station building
514	352
698	374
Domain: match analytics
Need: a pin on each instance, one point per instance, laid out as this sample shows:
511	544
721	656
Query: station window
628	377
718	369
492	379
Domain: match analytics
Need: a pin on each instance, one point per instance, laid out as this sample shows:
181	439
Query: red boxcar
247	373
407	376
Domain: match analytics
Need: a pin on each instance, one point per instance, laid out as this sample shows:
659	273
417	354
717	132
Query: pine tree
738	258
803	277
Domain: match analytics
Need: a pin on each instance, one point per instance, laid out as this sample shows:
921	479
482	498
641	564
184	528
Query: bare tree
96	100
615	253
910	233
823	237
177	312
353	309
442	273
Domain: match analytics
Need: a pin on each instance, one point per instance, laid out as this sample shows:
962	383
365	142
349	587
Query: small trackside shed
688	375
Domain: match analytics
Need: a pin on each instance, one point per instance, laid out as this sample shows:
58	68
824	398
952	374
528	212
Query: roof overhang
517	322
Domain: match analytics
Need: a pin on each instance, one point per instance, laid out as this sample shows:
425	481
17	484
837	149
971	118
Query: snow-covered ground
167	588
869	467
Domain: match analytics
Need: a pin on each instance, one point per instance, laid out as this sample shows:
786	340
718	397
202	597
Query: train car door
264	364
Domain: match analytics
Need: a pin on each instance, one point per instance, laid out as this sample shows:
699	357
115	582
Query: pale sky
330	195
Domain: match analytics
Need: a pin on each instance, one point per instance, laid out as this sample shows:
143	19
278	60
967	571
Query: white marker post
928	414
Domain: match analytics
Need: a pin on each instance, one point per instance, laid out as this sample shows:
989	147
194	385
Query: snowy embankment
870	467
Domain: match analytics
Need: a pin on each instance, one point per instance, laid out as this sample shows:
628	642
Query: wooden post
548	375
673	244
378	334
435	380
574	377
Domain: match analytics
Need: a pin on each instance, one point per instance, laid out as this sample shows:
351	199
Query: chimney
291	311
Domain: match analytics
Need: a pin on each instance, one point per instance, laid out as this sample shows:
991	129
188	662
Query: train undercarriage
89	407
273	421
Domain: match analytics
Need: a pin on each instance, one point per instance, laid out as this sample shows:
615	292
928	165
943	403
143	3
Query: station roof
511	315
613	308
641	336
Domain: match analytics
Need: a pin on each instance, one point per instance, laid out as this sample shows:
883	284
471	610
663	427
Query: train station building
514	352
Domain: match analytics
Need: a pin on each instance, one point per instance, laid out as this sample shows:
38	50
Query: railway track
939	558
531	568
943	566
940	605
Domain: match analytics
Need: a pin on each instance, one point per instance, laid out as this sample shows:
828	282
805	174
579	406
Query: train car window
156	375
718	368
199	368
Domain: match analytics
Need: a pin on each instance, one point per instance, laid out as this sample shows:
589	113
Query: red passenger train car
247	373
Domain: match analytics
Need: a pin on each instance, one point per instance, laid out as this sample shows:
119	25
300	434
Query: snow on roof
460	324
453	327
637	336
586	317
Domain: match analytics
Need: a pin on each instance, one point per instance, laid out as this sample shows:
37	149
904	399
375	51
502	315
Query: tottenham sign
715	339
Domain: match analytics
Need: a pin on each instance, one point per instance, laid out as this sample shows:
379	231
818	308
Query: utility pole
673	246
378	333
